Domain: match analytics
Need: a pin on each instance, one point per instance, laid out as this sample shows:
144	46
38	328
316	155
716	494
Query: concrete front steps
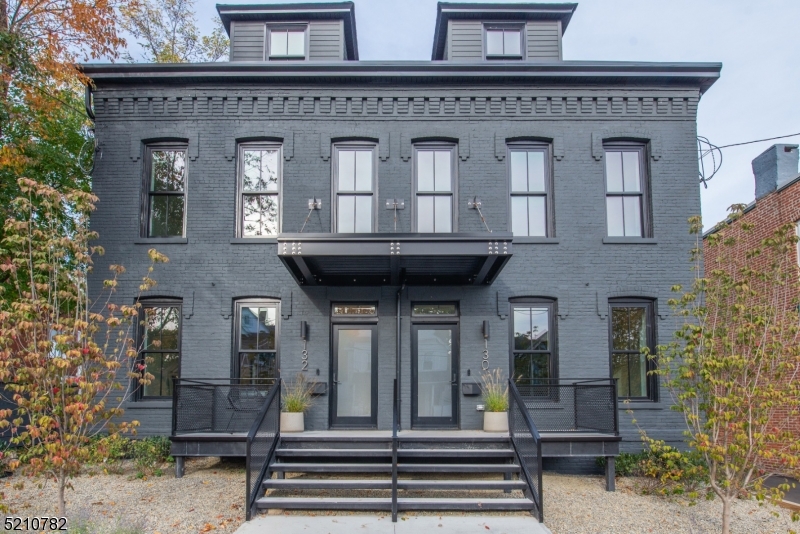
437	471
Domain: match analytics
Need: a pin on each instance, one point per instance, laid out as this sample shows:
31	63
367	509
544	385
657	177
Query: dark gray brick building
271	181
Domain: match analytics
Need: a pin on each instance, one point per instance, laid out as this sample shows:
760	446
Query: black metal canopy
391	259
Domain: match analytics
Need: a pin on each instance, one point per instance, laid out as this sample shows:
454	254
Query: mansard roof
447	11
344	11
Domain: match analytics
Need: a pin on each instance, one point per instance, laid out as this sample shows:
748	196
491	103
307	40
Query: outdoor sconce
304	330
485	329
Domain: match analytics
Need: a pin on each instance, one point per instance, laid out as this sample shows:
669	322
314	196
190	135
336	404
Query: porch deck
554	444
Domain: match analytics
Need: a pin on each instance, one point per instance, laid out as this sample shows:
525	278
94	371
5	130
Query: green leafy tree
733	365
167	32
67	362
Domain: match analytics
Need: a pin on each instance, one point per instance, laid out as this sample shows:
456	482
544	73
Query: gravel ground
580	505
209	498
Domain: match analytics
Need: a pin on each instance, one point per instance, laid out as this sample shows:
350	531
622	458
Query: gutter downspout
397	362
87	101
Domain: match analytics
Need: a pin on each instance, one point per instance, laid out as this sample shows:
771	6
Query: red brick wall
770	212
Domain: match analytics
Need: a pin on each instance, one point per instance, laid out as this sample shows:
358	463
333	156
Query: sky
755	40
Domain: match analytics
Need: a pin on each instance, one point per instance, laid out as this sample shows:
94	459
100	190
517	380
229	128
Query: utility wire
760	140
707	148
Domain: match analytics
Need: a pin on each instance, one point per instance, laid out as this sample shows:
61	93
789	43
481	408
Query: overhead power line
760	140
708	150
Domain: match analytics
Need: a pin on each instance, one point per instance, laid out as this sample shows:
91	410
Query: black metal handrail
219	405
585	405
527	445
395	421
262	440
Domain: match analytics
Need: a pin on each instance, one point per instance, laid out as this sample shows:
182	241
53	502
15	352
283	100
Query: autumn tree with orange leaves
44	132
67	361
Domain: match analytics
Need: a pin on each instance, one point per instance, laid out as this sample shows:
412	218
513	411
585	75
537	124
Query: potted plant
495	401
296	399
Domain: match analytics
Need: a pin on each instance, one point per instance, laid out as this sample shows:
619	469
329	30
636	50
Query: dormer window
287	42
503	42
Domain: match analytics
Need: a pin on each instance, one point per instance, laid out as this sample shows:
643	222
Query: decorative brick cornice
527	133
168	132
248	105
249	131
633	134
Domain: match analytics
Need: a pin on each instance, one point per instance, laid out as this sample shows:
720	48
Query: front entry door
354	395
434	376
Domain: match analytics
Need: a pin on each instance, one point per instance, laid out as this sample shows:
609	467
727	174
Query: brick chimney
775	167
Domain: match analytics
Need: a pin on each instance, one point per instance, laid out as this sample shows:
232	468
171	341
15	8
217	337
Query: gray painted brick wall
582	272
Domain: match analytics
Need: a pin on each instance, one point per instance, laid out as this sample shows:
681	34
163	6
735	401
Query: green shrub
669	470
626	464
148	454
495	391
296	396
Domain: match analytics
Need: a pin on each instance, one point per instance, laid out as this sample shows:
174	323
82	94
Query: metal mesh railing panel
564	406
218	405
597	406
261	442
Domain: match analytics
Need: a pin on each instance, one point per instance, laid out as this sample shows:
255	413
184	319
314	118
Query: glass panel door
355	379
434	380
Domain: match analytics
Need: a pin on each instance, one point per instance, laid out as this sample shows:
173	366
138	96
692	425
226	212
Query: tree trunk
62	503
726	515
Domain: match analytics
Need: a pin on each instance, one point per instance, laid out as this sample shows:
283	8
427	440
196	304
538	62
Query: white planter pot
495	421
292	422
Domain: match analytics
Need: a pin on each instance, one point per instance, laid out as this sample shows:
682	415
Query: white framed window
503	42
260	172
627	213
434	188
354	173
530	189
286	42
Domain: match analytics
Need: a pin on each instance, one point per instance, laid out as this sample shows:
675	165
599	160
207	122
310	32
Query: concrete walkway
377	524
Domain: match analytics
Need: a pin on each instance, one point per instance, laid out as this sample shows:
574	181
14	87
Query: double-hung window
631	330
529	169
165	202
256	343
354	188
434	184
533	341
287	42
503	42
160	352
260	172
626	191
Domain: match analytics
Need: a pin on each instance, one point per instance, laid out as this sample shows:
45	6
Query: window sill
161	241
253	240
639	404
146	404
630	241
536	240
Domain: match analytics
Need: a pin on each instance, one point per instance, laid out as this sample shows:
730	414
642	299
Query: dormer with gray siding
491	32
291	32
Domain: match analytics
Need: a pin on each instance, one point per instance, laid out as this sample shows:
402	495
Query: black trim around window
626	361
534	351
242	195
160	387
355	193
546	194
643	195
452	193
151	194
265	355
